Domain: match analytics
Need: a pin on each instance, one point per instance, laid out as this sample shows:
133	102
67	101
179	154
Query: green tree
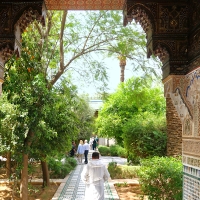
68	43
8	120
134	116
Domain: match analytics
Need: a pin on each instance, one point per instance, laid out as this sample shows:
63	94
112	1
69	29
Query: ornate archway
173	34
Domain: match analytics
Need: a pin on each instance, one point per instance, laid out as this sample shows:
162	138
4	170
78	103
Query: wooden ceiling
84	4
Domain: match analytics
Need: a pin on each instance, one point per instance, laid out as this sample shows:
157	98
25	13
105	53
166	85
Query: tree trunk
24	173
45	173
8	164
108	142
122	68
24	179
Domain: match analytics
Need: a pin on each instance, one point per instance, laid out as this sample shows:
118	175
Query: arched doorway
173	34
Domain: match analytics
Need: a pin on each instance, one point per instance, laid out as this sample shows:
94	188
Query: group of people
94	173
94	141
83	149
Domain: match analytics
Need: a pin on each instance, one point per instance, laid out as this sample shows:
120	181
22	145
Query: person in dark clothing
73	150
94	144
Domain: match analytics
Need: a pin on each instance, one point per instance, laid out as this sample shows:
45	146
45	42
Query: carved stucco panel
191	147
174	88
188	126
185	94
180	106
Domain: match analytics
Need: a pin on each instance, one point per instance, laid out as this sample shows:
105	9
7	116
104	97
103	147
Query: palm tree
123	49
122	64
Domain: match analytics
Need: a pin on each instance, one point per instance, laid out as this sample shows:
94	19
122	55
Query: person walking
73	149
86	150
90	142
94	145
94	175
80	151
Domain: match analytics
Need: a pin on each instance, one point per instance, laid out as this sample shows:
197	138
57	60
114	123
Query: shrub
104	151
113	169
72	162
122	171
161	178
145	138
114	150
59	169
121	152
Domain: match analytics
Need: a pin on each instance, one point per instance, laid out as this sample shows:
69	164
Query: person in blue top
80	151
86	150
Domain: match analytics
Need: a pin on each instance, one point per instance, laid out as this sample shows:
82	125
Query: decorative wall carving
27	17
191	147
166	26
85	5
173	18
194	13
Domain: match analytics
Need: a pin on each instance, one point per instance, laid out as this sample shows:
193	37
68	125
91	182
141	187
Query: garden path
73	188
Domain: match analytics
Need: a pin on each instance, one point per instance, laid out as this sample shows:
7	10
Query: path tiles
74	188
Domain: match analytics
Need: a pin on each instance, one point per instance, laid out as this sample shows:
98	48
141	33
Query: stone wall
174	130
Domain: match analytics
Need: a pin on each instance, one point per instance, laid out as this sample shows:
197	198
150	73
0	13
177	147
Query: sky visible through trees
113	69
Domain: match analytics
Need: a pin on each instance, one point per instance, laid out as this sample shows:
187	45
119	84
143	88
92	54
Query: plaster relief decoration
193	97
85	4
187	126
191	147
191	161
179	103
180	106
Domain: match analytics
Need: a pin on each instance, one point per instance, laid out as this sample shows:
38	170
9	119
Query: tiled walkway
73	188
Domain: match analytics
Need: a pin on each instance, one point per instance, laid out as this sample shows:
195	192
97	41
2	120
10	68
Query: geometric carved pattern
173	18
85	4
191	147
166	27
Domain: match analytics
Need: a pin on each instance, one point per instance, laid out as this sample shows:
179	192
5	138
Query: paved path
73	188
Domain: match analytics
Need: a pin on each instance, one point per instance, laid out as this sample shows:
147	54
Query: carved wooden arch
162	51
142	15
22	16
28	16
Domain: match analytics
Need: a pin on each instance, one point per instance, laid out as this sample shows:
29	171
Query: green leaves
161	178
135	116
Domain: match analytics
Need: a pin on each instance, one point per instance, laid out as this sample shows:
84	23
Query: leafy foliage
104	150
161	178
135	116
122	172
113	150
59	168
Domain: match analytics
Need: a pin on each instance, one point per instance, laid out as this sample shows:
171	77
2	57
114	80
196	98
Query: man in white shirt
86	150
94	175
